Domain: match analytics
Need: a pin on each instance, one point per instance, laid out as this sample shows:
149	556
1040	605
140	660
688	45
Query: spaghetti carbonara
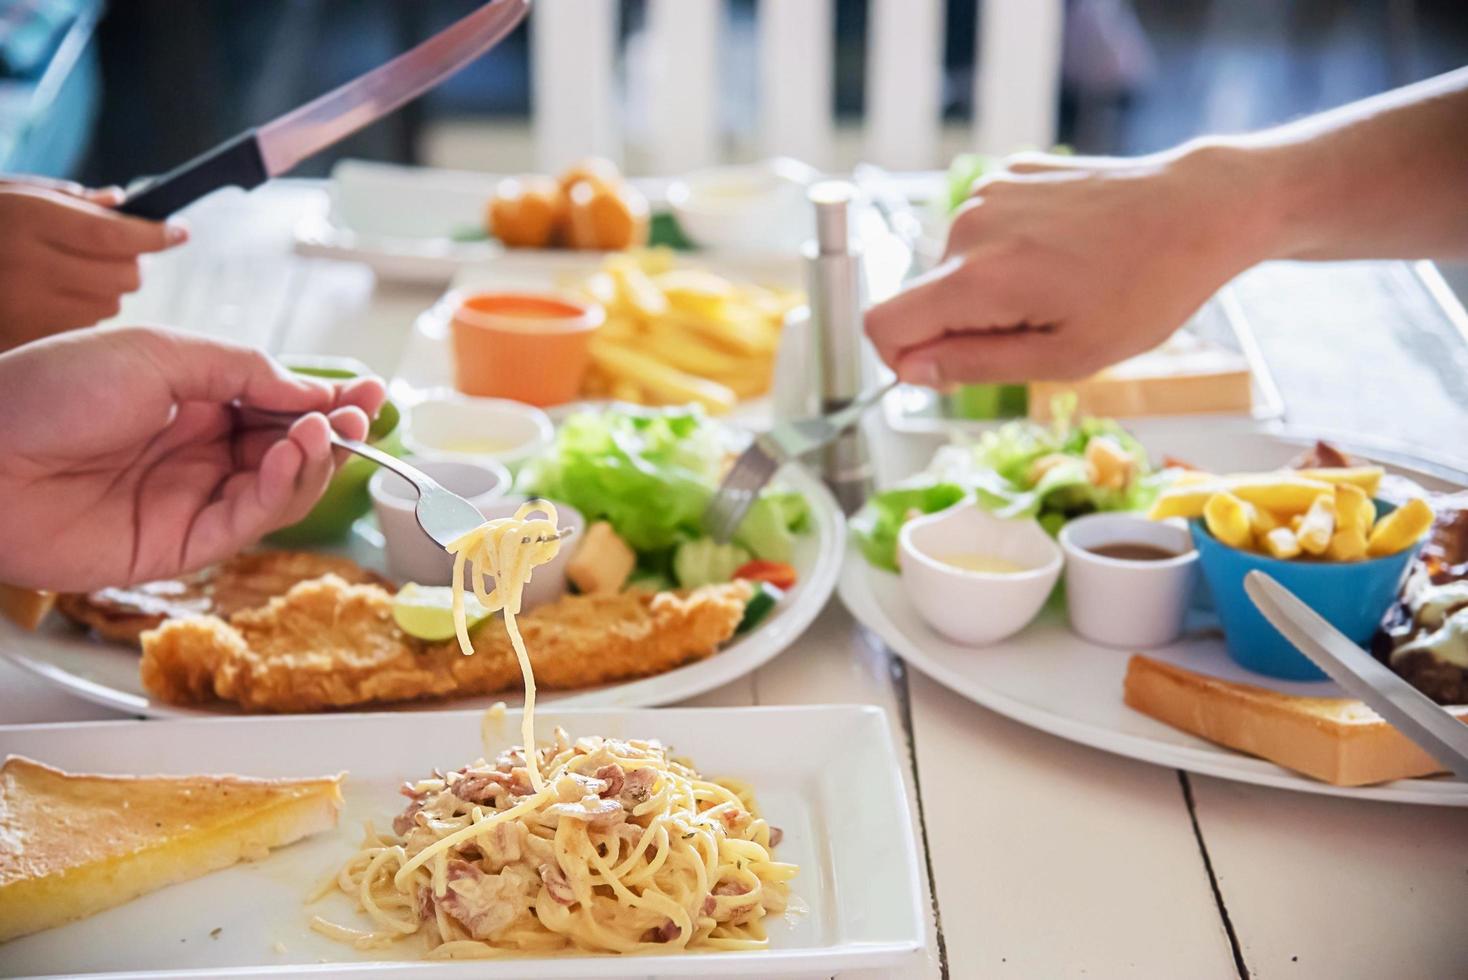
597	844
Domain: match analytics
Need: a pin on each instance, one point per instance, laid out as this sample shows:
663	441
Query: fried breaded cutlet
243	582
331	644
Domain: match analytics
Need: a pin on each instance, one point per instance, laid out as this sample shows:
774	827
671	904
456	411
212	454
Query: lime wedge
427	611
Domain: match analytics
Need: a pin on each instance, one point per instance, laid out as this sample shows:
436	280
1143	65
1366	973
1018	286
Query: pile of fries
675	335
1325	514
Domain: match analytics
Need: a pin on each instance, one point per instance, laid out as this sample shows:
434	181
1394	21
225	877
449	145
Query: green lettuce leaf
650	474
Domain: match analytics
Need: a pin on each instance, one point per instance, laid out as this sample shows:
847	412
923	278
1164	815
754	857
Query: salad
647	475
1052	472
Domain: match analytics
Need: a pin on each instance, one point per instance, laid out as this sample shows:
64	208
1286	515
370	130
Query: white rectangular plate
829	776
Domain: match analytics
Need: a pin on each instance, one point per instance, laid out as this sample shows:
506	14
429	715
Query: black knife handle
234	164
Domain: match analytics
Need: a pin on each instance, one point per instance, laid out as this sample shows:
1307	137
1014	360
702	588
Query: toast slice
72	845
1336	740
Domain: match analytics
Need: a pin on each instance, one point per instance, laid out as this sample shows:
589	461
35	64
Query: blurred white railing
578	109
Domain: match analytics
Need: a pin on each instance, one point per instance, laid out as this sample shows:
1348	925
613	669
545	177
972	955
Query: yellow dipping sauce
988	564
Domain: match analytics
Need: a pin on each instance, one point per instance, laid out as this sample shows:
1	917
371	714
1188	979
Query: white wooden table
1044	859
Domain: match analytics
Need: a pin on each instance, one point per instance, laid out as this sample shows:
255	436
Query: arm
1386	177
1059	266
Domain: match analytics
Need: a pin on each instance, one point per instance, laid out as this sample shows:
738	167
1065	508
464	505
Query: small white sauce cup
436	425
1123	603
745	207
976	608
413	556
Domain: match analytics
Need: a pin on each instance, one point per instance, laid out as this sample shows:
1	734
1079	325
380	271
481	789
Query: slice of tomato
777	573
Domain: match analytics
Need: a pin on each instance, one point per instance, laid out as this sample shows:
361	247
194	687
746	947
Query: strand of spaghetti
507	550
461	622
527	805
652	901
341	933
637	851
527	717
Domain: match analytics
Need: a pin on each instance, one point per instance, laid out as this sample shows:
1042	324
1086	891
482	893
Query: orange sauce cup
530	347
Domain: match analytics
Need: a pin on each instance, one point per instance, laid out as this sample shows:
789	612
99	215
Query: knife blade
1407	709
258	154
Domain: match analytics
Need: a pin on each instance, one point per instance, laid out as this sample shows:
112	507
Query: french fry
697	292
688	353
1354	510
667	384
1400	529
1187	500
619	328
1281	543
712	337
636	289
1317	526
1263	520
1227	518
1347	544
742	332
1282	492
1368	478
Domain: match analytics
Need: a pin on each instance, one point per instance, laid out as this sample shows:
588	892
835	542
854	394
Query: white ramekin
434	426
976	608
1120	603
412	556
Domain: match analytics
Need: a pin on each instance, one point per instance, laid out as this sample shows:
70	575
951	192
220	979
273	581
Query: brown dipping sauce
1133	551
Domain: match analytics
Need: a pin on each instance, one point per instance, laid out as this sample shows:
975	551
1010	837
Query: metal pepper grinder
837	292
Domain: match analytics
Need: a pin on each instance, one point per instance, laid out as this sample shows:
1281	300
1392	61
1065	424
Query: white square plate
829	776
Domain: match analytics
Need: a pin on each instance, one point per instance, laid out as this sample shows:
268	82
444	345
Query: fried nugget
329	644
245	581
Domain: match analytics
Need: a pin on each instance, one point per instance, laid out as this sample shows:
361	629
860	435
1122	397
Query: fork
756	466
442	514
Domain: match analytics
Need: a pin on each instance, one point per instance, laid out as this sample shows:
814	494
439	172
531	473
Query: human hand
1059	266
122	457
67	258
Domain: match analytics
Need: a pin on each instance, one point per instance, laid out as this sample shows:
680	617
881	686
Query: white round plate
107	673
1049	678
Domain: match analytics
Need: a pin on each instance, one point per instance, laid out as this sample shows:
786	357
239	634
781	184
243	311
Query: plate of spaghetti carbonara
601	845
623	849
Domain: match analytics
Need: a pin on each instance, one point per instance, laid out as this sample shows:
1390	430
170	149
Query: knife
258	154
1407	709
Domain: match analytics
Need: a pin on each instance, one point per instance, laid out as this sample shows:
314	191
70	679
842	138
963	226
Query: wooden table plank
830	664
1318	886
1055	860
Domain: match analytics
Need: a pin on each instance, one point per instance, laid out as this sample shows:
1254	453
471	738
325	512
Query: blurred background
106	91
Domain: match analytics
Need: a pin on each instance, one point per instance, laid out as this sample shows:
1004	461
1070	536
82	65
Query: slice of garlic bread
72	845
